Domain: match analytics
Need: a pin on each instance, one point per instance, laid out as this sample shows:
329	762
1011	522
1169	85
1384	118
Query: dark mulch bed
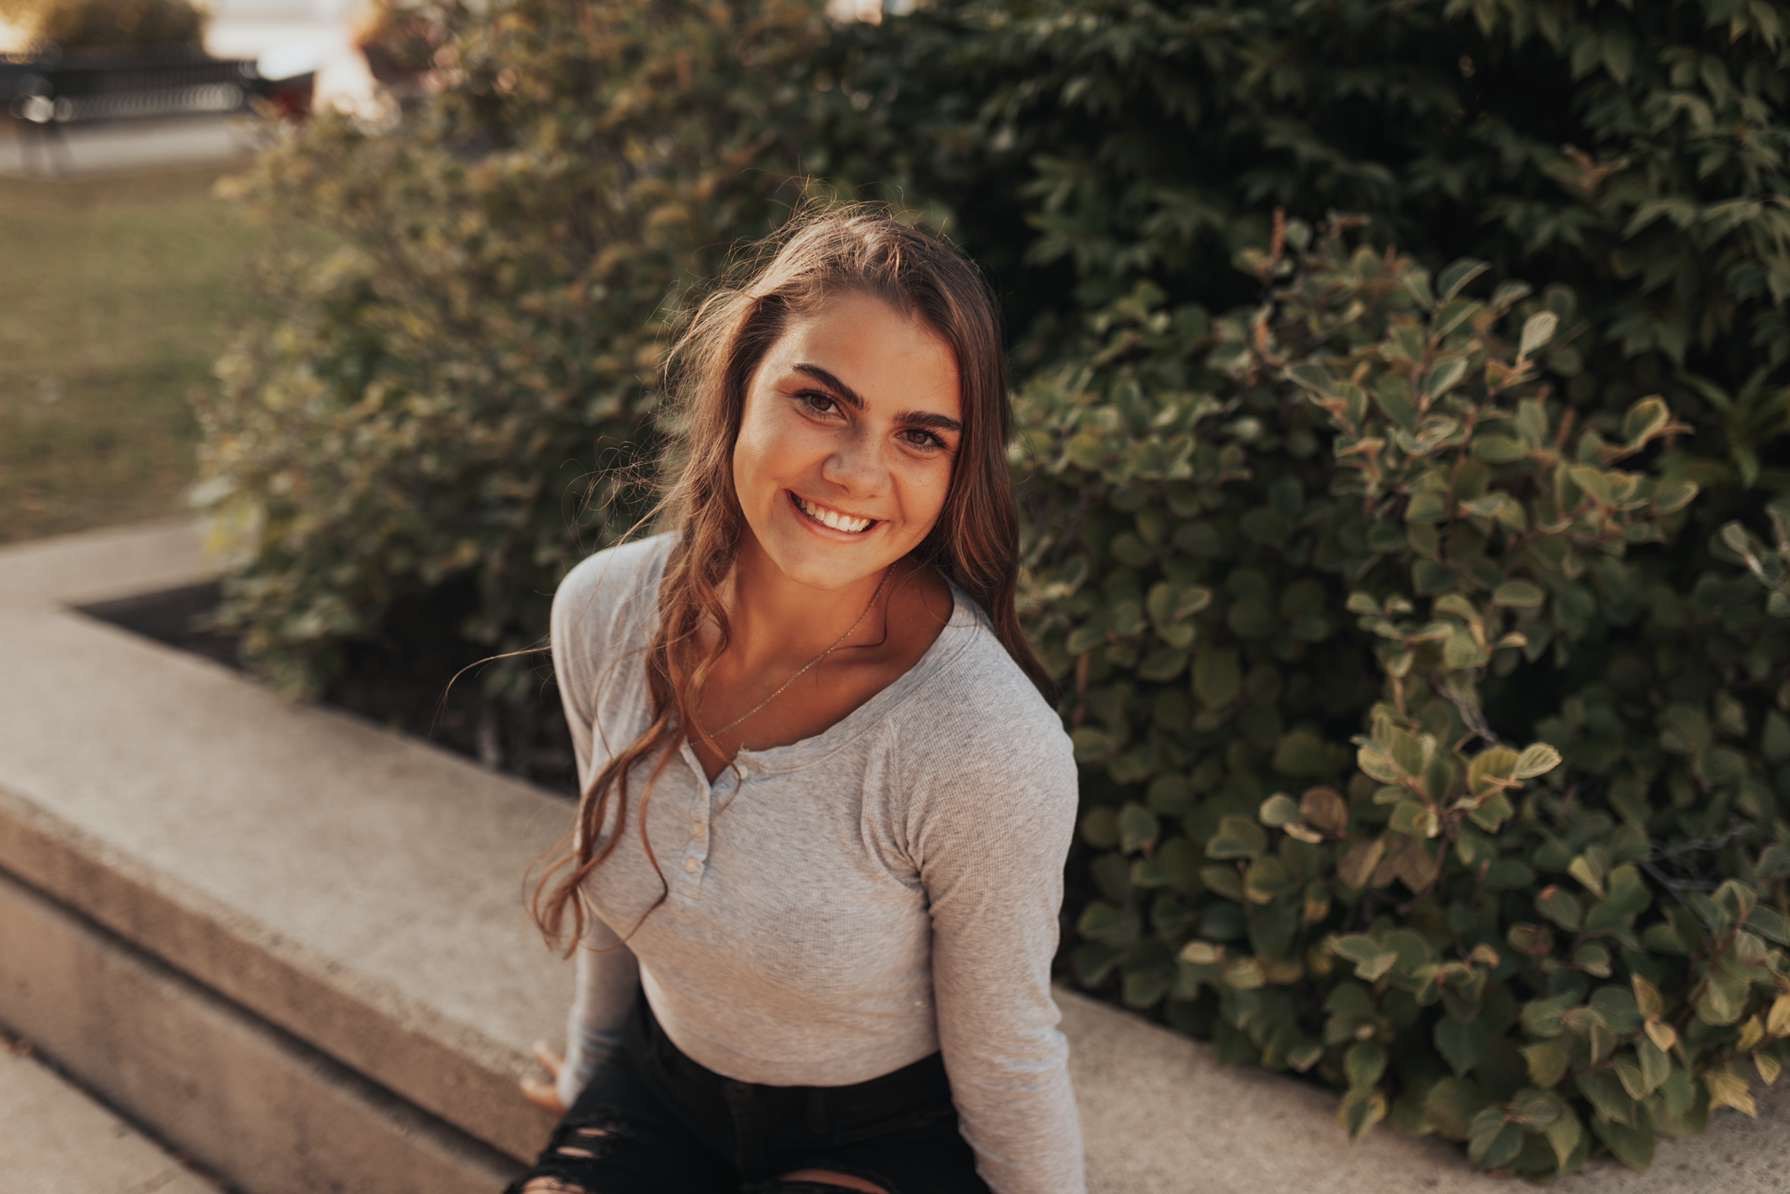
399	686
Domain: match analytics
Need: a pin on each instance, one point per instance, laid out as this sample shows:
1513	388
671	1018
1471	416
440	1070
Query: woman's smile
820	528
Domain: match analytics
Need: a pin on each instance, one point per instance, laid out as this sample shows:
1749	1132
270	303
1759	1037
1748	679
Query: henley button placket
699	834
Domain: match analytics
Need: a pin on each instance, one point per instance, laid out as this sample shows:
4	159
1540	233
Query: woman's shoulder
602	594
981	714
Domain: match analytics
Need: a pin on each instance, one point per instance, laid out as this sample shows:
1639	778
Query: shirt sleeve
604	984
990	843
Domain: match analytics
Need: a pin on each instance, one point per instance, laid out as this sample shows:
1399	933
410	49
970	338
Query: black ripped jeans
653	1121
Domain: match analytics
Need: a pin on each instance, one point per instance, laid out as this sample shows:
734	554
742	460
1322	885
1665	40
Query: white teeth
838	522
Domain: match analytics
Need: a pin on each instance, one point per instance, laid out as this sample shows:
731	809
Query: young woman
845	984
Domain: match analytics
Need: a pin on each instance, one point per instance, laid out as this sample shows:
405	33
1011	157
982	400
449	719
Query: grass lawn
121	289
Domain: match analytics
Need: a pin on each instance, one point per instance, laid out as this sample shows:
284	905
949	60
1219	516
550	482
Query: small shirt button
690	864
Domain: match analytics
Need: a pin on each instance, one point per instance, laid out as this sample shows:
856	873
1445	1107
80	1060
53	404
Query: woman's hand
545	1094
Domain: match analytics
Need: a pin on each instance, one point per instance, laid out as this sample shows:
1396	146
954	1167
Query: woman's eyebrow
913	418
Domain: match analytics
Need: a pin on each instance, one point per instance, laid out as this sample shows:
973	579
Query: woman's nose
857	464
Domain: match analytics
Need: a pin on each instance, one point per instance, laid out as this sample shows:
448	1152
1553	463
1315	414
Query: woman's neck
777	622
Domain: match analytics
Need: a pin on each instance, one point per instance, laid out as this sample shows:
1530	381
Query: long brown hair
824	249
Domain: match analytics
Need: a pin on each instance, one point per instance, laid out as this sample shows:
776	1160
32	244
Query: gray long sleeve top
885	888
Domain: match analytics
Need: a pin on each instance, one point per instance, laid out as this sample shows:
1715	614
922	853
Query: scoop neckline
951	638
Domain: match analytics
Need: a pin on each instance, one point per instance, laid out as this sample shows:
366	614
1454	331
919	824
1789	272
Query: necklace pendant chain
748	713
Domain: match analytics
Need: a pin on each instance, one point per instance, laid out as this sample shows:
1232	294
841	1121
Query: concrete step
296	946
253	1103
60	1140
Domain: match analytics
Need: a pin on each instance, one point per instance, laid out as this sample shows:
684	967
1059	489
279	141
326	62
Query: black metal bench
44	95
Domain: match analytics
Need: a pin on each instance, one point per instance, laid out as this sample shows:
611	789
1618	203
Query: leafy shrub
1636	153
486	334
114	24
1362	506
1770	564
398	36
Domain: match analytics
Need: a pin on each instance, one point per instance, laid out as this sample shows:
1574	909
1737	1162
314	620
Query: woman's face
854	409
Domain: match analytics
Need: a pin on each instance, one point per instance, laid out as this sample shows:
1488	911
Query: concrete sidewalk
128	145
57	1140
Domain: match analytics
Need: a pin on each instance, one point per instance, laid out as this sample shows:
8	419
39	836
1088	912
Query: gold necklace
748	713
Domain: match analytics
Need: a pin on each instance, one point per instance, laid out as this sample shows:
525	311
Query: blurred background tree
110	24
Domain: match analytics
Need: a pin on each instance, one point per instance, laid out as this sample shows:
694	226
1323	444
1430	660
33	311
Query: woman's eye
804	395
927	441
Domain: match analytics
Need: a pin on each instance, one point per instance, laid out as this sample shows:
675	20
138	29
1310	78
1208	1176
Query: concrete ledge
267	1112
178	805
59	1141
363	892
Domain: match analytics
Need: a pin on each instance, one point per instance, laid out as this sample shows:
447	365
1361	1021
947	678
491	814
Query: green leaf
1217	677
1452	280
1645	419
1519	594
1392	394
1547	1061
1449	1105
1278	810
1654	1064
1313	376
1606	1096
1462	1043
1092	744
1372	960
1245	974
1360	1111
1769	923
1493	1143
1628	897
1589	873
1535	1108
1728	1088
1237	837
1100	827
1542	1017
1417	282
1497	449
1560	906
1202	953
1508	294
1162	664
1633	1146
1267	880
1414	818
1536	759
1444	376
1359	860
1364	1063
1563	1136
1538	329
1138	827
1378	765
1648	1001
1722	999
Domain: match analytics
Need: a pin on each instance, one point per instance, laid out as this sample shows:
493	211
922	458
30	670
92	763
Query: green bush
1638	153
1328	573
113	24
480	353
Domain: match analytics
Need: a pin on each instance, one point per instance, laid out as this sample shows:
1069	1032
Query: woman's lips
821	528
